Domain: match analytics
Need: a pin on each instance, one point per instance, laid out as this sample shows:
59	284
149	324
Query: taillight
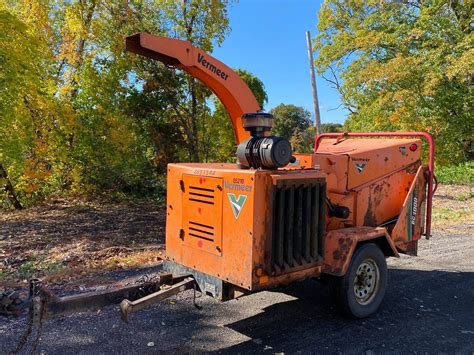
413	147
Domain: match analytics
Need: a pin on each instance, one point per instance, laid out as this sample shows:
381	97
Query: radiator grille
298	224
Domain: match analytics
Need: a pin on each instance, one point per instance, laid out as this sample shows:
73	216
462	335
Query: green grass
449	214
27	269
456	174
30	267
464	197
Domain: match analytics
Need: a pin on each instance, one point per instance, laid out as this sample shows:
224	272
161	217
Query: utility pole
317	116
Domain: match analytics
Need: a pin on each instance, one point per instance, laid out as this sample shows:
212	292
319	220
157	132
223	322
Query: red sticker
200	243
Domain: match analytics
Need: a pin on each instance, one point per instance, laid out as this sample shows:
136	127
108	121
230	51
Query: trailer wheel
361	290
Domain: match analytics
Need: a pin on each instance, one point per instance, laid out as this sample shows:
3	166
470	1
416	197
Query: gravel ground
429	308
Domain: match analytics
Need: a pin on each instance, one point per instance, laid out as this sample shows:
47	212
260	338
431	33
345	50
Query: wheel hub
366	281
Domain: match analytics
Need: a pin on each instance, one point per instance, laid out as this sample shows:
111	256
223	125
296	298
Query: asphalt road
429	307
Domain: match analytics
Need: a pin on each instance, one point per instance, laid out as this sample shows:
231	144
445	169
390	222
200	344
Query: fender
339	245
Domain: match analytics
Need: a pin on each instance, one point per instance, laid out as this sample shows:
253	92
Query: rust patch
369	218
340	245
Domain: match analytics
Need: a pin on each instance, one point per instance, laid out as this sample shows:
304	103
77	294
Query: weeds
32	266
449	214
464	197
456	174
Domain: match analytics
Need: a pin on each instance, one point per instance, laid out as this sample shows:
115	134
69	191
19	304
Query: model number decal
237	186
414	210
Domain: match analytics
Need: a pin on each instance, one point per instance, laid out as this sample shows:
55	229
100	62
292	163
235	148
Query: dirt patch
68	239
452	204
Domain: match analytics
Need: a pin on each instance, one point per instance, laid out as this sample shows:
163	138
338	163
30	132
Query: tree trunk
8	187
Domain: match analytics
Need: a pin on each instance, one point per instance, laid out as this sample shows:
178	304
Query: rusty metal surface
382	199
411	222
372	158
340	245
128	307
431	157
91	301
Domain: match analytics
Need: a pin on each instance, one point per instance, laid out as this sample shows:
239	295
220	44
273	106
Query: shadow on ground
424	311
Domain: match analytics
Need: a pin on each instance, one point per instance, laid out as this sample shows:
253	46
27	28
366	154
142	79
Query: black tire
356	293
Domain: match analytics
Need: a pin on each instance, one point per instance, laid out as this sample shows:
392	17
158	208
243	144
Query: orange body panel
369	176
225	242
220	217
410	225
238	233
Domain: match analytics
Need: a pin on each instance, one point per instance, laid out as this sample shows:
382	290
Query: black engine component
335	210
261	150
264	152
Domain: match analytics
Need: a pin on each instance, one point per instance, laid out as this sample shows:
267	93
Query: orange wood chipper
276	216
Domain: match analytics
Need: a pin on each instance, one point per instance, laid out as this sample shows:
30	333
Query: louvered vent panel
298	223
201	194
202	212
200	230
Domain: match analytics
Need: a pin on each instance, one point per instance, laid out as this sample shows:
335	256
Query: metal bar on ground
128	307
91	301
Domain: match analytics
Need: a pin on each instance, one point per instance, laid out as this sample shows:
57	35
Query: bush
456	174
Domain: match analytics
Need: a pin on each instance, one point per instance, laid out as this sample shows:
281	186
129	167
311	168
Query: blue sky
268	38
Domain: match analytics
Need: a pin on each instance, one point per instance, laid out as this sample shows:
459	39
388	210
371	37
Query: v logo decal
237	203
360	166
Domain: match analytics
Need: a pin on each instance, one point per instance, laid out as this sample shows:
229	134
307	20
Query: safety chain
11	304
35	317
149	285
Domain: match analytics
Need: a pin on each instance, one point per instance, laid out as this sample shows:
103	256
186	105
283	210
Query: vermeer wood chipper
276	216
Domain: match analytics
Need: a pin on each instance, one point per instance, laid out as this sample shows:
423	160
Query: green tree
293	123
289	119
205	24
78	113
26	104
402	66
331	127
